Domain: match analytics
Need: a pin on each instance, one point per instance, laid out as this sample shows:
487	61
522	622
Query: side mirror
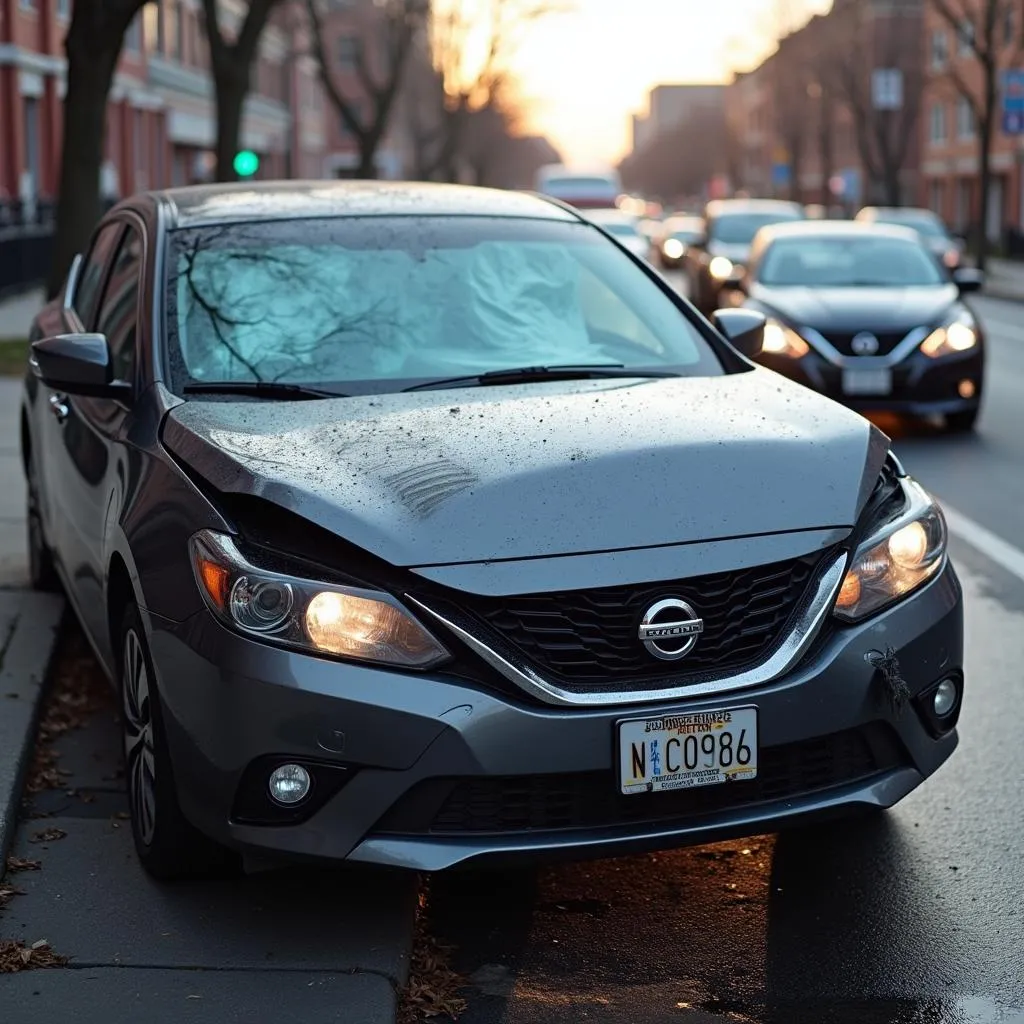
77	364
744	329
969	279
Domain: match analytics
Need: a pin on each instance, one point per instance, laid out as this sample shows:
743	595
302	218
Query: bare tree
93	46
991	31
462	86
860	39
379	71
231	64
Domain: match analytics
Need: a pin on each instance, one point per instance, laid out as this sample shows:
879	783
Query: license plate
867	382
685	751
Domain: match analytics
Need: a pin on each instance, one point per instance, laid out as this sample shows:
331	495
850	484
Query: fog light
289	784
945	698
966	389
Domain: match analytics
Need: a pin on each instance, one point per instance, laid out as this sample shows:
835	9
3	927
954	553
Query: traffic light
246	163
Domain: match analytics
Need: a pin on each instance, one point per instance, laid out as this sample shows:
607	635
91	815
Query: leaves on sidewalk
16	956
22	864
48	835
432	992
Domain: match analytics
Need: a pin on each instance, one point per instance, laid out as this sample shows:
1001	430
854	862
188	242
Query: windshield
848	262
923	223
740	228
584	185
368	303
620	230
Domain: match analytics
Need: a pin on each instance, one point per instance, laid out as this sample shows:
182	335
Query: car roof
198	205
898	211
719	206
836	229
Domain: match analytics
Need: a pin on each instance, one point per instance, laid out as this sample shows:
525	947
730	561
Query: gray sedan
420	524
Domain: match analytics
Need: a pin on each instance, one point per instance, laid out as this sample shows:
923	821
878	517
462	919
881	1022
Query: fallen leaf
22	864
48	835
14	956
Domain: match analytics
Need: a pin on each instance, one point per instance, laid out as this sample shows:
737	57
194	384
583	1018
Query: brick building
793	118
950	160
160	117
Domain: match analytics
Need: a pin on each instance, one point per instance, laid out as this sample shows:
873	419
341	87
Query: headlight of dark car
780	340
959	335
900	554
322	618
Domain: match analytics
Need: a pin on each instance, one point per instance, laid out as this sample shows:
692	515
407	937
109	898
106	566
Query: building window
965	37
138	141
32	155
349	48
1009	24
64	9
940	49
935	196
937	125
27	5
172	34
964	119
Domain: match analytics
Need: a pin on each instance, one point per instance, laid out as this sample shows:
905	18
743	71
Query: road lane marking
1002	552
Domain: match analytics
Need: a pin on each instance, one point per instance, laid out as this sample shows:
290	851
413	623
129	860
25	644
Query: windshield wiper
527	374
260	389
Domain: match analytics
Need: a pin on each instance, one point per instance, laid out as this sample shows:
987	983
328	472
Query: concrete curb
28	634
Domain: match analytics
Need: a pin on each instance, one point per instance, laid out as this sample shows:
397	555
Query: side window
87	294
606	313
119	309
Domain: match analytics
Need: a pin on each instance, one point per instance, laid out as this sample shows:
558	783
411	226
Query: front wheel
962	422
42	574
168	845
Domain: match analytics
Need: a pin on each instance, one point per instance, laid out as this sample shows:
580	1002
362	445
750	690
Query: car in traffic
421	525
719	257
676	235
624	228
929	225
863	313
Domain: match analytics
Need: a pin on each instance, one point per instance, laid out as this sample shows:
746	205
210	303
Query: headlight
897	559
781	340
720	268
323	618
949	340
673	249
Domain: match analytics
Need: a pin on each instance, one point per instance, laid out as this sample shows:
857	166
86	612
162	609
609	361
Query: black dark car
865	314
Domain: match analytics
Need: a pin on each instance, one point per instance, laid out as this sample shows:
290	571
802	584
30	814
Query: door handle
59	407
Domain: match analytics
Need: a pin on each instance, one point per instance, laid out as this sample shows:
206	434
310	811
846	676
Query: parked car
421	524
676	236
624	228
720	256
940	240
862	313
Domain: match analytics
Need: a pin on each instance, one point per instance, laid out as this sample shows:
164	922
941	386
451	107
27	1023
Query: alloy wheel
140	762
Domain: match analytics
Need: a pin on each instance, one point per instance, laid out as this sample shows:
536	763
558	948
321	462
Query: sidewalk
16	313
1004	279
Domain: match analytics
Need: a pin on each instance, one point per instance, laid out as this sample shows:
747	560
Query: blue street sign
780	174
1013	101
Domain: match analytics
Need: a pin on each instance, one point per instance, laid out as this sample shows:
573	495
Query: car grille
587	639
887	341
588	800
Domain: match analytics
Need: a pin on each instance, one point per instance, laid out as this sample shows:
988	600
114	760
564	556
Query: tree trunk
92	59
367	159
232	86
984	181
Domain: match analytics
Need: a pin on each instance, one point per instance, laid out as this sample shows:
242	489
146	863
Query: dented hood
480	474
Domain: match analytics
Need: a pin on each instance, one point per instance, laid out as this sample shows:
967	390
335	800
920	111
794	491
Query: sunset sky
584	72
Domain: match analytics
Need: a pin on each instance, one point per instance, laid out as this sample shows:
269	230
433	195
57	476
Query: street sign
1013	102
780	174
887	88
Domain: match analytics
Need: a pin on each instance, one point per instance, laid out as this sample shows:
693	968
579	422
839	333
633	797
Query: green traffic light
246	164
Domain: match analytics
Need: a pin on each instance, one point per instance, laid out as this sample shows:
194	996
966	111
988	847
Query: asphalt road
917	918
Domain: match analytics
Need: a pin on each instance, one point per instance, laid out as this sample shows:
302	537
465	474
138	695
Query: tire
962	422
167	844
42	573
